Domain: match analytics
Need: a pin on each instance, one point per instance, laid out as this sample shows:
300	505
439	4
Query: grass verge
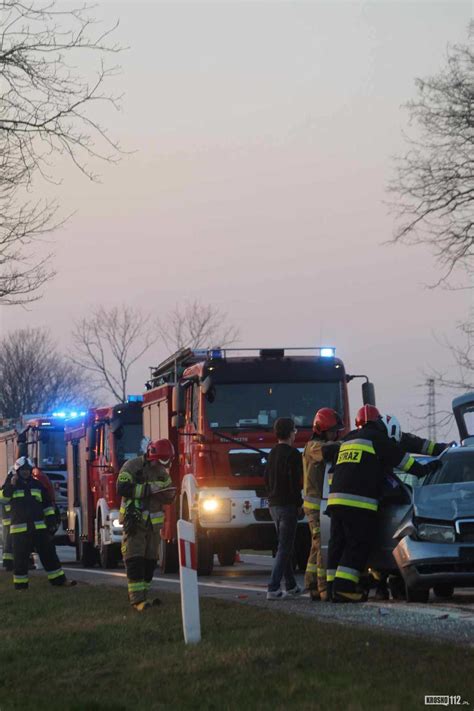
83	649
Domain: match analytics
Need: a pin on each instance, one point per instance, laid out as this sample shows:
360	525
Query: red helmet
367	413
160	451
327	420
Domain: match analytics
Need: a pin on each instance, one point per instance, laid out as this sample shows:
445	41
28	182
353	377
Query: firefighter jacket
364	456
313	473
30	505
418	445
135	482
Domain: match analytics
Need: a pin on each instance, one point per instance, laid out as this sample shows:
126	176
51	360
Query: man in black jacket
284	481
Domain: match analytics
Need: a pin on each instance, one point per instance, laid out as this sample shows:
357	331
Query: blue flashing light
328	352
215	354
135	398
62	415
212	354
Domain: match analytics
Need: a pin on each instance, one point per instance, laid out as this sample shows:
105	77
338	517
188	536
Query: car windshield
52	449
129	442
258	405
457	467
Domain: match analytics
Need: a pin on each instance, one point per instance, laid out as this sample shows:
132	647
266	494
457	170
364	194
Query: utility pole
431	409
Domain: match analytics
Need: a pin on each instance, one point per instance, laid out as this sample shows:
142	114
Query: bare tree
197	325
45	111
461	377
434	180
35	377
109	343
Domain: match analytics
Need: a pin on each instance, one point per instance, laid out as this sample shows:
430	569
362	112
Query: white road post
188	580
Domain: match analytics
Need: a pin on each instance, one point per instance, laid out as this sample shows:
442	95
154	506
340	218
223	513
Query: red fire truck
218	408
97	446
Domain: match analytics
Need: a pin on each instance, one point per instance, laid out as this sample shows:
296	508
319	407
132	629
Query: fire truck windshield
52	449
258	405
128	442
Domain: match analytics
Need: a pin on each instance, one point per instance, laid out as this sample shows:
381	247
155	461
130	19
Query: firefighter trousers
315	575
23	545
351	537
140	554
7	546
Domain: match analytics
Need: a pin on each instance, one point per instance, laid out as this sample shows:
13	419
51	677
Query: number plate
264	503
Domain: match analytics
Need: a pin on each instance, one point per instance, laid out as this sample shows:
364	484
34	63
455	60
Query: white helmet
392	426
23	462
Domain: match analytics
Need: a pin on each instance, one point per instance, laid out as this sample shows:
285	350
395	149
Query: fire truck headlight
210	505
214	509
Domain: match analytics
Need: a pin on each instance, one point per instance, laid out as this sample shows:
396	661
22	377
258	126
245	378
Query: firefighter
414	445
145	485
7	539
33	521
363	458
7	553
326	427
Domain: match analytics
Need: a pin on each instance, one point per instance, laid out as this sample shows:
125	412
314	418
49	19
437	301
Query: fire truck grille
247	463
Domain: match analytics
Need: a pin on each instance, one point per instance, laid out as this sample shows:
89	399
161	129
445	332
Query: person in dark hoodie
284	481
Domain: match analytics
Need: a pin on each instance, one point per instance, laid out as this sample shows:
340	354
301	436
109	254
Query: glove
156	487
431	467
132	518
166	496
52	526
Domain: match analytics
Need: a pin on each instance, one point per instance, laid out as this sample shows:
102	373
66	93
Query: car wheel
443	591
396	587
417	594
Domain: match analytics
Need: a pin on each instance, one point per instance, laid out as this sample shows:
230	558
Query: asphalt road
245	583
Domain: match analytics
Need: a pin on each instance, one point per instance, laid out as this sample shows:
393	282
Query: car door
463	409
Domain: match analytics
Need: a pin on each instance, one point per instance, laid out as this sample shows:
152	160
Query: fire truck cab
96	449
218	407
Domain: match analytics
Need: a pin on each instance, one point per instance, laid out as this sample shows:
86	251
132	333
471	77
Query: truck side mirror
90	443
177	400
177	420
368	393
207	385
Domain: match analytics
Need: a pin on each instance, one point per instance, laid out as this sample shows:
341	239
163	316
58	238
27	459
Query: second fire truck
97	446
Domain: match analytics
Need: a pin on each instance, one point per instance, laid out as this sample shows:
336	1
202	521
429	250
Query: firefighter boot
328	597
142	606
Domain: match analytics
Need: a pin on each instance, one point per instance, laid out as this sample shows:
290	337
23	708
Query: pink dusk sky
262	137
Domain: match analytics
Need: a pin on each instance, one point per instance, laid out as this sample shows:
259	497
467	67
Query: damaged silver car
435	546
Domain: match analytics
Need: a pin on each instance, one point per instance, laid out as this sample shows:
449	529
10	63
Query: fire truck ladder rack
169	370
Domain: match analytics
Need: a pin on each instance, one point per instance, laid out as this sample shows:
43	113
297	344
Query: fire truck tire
226	554
169	560
205	555
109	555
88	554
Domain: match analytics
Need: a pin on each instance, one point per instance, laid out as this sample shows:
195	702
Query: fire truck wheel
88	554
226	554
109	555
205	555
169	561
